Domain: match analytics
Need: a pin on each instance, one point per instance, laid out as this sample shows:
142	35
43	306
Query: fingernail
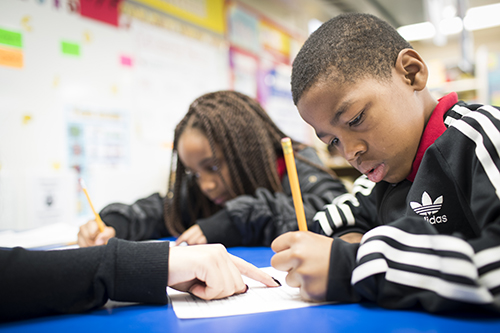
277	282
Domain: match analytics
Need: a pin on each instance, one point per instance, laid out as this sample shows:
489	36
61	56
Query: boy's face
375	125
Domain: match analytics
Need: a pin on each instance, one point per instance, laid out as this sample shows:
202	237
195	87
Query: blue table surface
324	318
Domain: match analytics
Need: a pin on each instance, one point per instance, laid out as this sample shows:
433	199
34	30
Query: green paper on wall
70	48
11	38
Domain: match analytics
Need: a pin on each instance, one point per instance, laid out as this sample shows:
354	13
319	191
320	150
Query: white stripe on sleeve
447	265
436	242
334	215
493	111
491	279
367	269
488	127
323	222
461	109
486	257
347	213
455	291
481	153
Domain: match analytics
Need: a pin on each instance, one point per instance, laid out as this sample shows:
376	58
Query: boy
428	203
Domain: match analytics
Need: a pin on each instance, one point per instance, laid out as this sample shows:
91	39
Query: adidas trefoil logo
428	208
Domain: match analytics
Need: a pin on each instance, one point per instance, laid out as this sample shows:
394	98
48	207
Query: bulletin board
96	98
261	55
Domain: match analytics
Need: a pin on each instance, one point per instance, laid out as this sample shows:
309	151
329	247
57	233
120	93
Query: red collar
435	127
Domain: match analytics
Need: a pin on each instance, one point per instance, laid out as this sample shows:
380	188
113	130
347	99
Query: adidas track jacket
432	240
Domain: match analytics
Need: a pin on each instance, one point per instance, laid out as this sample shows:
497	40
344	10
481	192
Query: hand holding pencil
94	232
304	255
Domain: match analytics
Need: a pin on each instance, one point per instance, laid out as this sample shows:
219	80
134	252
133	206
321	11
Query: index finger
283	242
253	272
184	237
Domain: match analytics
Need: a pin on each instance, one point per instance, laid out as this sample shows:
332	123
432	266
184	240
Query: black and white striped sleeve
408	264
349	212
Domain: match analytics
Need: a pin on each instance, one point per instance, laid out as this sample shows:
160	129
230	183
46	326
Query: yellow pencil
100	223
286	143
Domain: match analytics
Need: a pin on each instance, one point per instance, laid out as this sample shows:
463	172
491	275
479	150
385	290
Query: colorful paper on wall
11	58
244	29
275	40
208	14
70	48
11	38
126	61
244	68
97	138
106	11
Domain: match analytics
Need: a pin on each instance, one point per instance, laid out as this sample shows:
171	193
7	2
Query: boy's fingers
283	261
284	241
293	279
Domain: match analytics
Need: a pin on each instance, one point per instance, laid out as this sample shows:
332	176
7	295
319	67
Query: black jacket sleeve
139	221
407	264
38	283
257	219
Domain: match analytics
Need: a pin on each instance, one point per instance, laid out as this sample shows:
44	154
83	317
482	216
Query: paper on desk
257	299
53	234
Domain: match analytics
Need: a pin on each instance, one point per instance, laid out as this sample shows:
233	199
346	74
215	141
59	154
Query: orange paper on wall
11	58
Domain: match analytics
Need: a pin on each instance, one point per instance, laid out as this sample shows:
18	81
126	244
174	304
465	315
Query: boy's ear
412	69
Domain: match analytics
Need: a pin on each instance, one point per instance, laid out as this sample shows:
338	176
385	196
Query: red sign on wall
102	10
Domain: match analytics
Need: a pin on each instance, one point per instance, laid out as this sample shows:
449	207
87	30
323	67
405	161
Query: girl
228	182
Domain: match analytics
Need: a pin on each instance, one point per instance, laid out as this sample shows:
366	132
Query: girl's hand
89	234
192	236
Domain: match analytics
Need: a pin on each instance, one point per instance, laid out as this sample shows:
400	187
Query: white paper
53	234
258	298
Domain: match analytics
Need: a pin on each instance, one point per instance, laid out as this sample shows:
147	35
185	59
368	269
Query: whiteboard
143	77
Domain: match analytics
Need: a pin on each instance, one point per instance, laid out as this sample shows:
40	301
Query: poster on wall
260	67
276	97
170	73
244	72
96	138
494	78
208	14
243	30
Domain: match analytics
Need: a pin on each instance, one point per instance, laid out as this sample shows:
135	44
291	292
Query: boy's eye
334	142
358	119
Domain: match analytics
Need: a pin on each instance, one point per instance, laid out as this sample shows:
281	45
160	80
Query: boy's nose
352	149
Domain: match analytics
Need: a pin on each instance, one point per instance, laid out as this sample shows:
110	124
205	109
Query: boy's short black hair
346	48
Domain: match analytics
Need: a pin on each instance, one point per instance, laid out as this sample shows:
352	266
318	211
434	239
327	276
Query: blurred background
93	89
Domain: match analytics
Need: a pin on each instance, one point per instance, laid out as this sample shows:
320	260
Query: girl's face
195	154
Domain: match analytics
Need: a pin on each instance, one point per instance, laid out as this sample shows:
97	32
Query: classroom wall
98	98
107	107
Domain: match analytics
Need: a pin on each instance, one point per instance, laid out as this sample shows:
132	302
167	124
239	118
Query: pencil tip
275	280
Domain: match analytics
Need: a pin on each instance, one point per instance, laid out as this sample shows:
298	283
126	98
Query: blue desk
326	318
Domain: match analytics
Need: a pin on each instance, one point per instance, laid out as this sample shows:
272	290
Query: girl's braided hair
250	142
